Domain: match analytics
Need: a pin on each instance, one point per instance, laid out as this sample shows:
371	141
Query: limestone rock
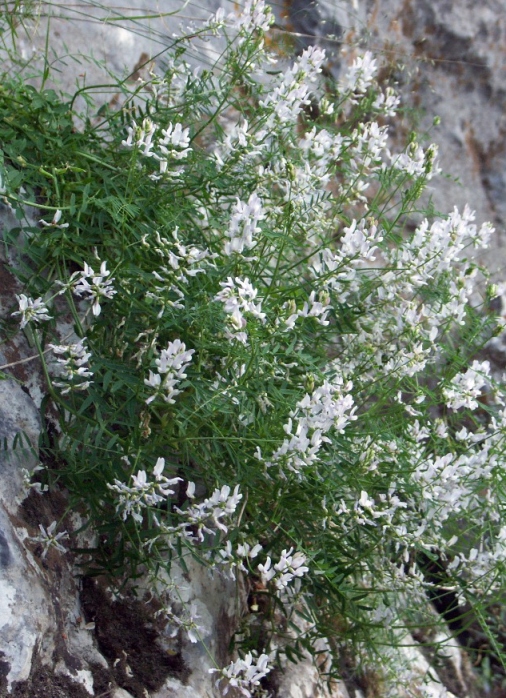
24	605
125	41
301	680
448	58
19	430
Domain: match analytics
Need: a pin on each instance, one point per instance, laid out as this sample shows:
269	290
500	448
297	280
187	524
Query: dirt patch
126	634
38	509
8	285
4	672
43	683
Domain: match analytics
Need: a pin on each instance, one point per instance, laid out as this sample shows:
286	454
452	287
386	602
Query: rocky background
63	636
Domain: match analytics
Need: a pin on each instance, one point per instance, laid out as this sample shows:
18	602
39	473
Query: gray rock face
449	60
19	432
24	604
23	601
109	42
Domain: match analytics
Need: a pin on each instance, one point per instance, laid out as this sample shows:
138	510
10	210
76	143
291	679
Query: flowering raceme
327	408
289	567
143	493
171	366
244	674
360	74
288	97
468	386
95	286
237	296
73	363
221	505
173	146
243	225
31	310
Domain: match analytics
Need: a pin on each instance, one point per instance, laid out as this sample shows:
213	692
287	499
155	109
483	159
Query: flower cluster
287	98
254	16
289	567
143	493
175	144
468	386
31	310
234	559
73	363
417	162
181	263
329	407
317	309
214	510
171	366
359	75
244	674
94	287
243	224
238	296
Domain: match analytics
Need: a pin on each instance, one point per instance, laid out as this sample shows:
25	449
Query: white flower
31	310
50	539
244	674
466	387
243	225
172	365
286	570
245	550
143	492
97	288
360	74
267	572
73	365
154	381
159	468
55	222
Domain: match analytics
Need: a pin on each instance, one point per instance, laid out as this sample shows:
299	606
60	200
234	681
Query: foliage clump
255	357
